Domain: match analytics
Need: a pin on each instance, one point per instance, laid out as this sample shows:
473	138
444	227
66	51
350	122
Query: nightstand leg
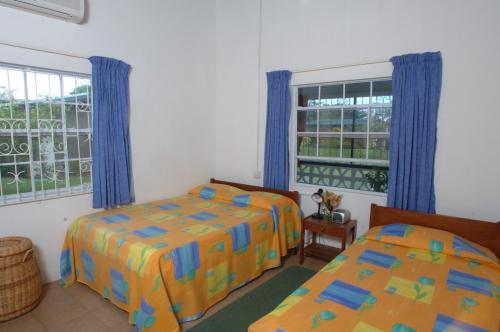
301	253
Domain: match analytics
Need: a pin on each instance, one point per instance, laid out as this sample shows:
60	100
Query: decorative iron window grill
45	134
340	175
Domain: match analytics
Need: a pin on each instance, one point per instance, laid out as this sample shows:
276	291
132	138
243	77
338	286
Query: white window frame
305	187
57	192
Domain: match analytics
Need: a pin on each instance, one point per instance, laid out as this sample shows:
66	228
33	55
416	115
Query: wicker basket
20	280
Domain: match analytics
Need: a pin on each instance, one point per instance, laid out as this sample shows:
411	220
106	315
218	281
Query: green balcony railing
343	175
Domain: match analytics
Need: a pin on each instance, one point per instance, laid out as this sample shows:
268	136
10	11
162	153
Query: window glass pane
86	168
354	146
5	149
307	121
309	96
330	120
33	115
329	146
70	112
382	92
306	145
31	82
8	180
355	120
378	148
4	114
44	110
19	112
84	141
24	177
55	88
4	92
42	87
47	149
74	173
83	120
72	146
380	119
38	176
16	84
17	92
357	93
60	174
35	147
20	179
81	91
57	111
4	107
332	95
69	88
59	146
20	147
49	175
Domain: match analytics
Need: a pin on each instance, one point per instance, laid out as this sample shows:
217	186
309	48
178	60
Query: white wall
301	34
171	48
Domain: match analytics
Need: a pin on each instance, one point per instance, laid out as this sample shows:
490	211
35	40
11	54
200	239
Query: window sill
44	199
309	189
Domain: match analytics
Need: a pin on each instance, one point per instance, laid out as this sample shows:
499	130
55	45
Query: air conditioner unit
69	10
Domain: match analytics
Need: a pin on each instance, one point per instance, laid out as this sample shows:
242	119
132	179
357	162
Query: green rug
240	314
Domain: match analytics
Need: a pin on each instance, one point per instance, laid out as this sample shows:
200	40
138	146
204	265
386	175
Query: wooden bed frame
484	233
294	195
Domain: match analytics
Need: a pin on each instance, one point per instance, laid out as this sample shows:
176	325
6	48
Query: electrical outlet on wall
256	175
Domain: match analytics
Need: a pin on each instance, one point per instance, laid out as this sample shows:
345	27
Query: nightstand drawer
314	227
334	231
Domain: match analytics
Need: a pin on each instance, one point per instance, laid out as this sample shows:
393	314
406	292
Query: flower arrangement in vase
331	201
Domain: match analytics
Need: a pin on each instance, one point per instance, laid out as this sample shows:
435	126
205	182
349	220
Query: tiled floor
80	309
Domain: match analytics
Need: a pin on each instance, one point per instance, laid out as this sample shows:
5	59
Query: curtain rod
45	50
373	62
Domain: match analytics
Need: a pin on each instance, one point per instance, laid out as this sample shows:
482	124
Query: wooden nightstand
315	225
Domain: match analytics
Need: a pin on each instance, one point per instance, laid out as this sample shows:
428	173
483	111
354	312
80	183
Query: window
342	134
45	134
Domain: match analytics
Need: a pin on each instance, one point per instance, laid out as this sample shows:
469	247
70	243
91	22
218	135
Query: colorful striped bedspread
398	278
168	261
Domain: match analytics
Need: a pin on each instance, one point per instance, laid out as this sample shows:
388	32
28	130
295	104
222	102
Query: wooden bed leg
301	249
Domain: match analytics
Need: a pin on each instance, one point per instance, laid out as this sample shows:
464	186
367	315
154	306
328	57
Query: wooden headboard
294	195
484	233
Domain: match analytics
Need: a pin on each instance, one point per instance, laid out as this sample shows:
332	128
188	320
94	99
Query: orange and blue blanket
398	278
168	261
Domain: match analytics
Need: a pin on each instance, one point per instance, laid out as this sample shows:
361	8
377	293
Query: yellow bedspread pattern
398	278
168	261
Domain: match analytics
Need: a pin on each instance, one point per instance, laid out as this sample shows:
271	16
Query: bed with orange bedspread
168	261
400	278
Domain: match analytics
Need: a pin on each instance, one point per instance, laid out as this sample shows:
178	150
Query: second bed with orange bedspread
398	278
